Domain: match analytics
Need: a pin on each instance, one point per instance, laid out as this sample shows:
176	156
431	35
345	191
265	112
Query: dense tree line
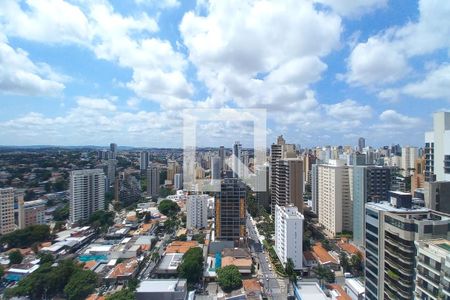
191	266
26	237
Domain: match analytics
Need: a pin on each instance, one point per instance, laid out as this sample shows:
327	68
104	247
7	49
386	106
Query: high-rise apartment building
31	212
111	171
153	180
87	193
335	197
370	184
178	181
143	161
361	144
113	149
418	177
315	188
409	156
287	184
289	235
172	169
197	211
215	167
433	269
230	210
222	159
237	160
391	231
6	210
437	196
437	149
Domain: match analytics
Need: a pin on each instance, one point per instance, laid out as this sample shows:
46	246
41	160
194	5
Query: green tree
2	272
343	259
191	266
15	257
324	273
326	244
125	294
168	208
229	278
102	219
81	284
26	237
356	263
61	213
290	271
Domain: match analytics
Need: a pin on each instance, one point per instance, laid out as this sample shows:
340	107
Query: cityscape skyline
125	72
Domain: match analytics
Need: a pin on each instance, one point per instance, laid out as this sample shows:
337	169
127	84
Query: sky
91	72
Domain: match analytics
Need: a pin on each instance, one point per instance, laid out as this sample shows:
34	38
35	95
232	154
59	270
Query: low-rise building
167	289
354	288
31	212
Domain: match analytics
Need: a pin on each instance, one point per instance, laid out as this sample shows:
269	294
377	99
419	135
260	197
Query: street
269	278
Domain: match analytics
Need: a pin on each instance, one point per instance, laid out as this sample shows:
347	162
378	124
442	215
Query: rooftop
311	290
339	292
161	285
181	246
322	255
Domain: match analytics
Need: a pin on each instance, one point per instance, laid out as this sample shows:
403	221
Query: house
324	258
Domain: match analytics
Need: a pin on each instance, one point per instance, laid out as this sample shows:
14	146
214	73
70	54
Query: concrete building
87	193
178	181
143	161
31	212
391	230
237	160
279	150
315	188
418	177
111	171
222	159
437	149
354	289
437	196
370	184
164	289
113	149
287	184
289	235
153	178
433	269
7	210
361	144
409	157
197	211
335	197
215	167
230	210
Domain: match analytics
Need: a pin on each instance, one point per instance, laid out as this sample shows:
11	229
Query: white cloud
384	57
159	3
353	8
349	110
96	104
51	21
391	119
259	64
20	76
436	85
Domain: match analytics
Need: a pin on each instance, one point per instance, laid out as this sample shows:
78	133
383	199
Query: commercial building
165	289
197	211
215	167
289	235
391	231
153	178
287	184
31	212
433	269
437	149
7	210
87	193
334	197
237	166
370	184
230	210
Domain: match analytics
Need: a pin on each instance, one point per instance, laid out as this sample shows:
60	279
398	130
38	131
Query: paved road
270	280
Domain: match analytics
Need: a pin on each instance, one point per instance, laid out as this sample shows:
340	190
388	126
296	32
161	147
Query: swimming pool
89	257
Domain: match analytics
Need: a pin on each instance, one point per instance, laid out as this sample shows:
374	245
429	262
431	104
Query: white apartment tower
87	193
197	211
335	207
7	210
289	235
409	156
437	149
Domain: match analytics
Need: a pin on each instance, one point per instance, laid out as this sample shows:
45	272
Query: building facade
230	210
143	161
197	211
7	210
87	193
153	180
437	149
31	212
335	197
289	235
391	231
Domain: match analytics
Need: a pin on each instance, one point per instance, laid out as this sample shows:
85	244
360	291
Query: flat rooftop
311	291
161	285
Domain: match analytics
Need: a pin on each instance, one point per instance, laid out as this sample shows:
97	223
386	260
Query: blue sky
92	72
